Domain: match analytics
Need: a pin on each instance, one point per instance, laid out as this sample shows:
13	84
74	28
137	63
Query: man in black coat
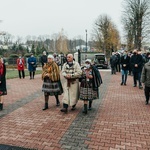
118	62
125	63
136	62
113	61
43	59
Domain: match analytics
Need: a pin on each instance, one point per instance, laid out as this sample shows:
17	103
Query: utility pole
86	39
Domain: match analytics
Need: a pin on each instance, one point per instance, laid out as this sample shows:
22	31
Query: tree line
105	36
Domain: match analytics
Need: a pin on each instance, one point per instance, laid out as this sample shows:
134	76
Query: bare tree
18	40
106	34
6	38
53	43
62	43
136	20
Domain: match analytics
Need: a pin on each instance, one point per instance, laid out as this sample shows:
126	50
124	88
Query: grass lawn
10	74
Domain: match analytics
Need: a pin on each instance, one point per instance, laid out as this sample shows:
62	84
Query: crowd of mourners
136	64
86	79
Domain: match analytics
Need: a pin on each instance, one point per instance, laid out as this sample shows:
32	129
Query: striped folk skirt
86	91
52	88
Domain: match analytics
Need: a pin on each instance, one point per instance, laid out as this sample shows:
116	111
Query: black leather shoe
45	108
90	108
73	108
64	110
125	84
134	85
84	111
121	83
146	103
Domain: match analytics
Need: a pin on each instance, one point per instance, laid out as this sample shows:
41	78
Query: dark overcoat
31	62
126	61
136	59
3	82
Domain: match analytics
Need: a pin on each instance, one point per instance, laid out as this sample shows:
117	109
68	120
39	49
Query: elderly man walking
71	71
145	78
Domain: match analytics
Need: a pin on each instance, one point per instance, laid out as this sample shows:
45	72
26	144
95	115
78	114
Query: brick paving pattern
119	120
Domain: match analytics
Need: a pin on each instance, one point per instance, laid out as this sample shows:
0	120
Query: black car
100	60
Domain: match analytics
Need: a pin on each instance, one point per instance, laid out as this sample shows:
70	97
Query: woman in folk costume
3	90
90	82
20	67
51	81
71	71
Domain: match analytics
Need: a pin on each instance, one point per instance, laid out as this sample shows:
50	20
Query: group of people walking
86	79
71	72
139	66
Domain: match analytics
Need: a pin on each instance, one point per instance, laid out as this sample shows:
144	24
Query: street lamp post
86	40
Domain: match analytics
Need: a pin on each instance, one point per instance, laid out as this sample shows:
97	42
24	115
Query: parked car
100	60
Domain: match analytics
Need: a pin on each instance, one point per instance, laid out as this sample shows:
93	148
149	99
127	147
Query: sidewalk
119	120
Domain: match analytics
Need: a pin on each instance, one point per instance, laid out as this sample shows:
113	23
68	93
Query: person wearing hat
71	72
32	65
51	81
88	88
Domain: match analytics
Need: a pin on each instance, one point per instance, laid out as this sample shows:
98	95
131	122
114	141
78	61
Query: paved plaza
119	120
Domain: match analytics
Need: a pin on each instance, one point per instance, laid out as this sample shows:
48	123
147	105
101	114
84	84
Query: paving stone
118	119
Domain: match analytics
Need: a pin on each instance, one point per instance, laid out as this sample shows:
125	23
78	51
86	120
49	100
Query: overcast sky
46	17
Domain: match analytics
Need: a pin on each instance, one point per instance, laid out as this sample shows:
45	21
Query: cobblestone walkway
119	120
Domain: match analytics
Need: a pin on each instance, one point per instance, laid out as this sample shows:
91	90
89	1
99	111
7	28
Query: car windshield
100	57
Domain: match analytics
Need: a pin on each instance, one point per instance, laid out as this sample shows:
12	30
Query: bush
12	59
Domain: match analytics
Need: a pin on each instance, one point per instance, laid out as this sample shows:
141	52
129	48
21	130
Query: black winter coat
136	59
3	82
125	61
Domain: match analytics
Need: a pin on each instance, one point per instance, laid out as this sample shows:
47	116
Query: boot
125	79
30	75
73	107
57	100
146	102
65	108
85	109
122	80
33	75
46	106
1	106
90	105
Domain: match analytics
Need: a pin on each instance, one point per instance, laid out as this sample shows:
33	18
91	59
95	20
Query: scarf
20	61
53	71
125	56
